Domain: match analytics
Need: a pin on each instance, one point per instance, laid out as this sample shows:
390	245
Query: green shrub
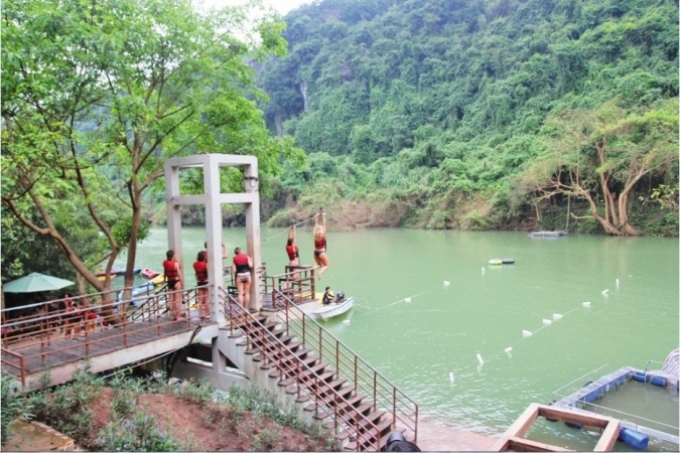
137	434
13	406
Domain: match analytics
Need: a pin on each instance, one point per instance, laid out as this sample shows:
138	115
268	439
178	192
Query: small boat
158	279
334	308
499	261
115	272
149	273
138	294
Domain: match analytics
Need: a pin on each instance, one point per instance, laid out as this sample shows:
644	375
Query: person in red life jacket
292	251
201	269
242	267
320	256
172	275
90	321
72	319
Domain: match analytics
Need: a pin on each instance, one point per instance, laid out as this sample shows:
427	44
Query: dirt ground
214	429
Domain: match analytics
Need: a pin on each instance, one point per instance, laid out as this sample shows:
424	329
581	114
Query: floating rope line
408	299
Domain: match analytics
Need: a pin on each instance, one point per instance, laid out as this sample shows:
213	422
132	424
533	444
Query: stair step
315	377
365	407
368	441
365	424
336	384
356	399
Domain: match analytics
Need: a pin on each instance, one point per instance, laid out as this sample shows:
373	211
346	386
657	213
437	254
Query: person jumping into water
320	256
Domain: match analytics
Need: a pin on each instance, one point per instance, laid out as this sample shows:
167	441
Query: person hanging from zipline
320	255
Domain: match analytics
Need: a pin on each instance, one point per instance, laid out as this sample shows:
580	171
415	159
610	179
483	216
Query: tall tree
600	155
97	95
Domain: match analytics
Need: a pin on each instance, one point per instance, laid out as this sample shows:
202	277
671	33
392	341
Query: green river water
429	309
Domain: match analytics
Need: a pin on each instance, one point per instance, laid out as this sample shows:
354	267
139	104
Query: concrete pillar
173	212
212	199
213	223
219	361
253	231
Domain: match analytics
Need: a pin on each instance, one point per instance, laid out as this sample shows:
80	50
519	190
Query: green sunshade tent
35	282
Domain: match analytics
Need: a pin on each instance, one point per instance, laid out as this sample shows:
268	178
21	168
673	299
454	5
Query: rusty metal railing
347	365
33	335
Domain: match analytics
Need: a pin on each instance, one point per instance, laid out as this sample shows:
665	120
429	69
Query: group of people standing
241	268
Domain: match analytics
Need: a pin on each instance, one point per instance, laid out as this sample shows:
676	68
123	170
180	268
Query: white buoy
508	350
407	300
557	316
526	333
483	270
479	357
605	292
547	322
452	378
446	283
617	283
586	304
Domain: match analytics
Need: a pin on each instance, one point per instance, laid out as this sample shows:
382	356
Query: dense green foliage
433	113
96	96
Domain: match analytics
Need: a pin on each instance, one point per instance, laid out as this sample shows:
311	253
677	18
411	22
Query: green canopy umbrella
35	282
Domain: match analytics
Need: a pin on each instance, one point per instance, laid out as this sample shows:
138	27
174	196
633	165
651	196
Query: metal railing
27	337
298	284
347	365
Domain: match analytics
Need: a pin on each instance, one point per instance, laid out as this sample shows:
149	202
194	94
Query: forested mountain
481	114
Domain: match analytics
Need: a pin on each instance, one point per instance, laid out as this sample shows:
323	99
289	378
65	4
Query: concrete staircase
275	360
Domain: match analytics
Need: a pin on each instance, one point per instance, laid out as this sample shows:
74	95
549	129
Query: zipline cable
285	231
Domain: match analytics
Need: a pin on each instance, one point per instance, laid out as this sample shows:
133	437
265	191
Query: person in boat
201	269
328	296
242	267
320	256
172	275
292	251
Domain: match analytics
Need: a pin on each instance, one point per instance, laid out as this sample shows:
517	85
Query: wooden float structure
548	234
513	439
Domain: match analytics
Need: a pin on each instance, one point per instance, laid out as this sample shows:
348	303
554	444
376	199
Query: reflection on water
418	331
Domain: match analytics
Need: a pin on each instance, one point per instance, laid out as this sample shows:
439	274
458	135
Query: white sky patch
282	6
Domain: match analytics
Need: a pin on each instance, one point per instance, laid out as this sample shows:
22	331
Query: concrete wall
248	372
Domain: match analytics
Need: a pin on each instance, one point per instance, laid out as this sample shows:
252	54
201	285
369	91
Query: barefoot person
291	247
320	255
201	269
292	251
242	267
173	277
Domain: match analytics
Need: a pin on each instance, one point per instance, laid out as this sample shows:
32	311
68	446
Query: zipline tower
212	198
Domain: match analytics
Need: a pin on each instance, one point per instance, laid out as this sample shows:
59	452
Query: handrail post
394	407
22	364
356	370
375	388
87	341
125	331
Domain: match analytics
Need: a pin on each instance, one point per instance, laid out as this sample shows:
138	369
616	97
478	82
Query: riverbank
35	436
194	427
